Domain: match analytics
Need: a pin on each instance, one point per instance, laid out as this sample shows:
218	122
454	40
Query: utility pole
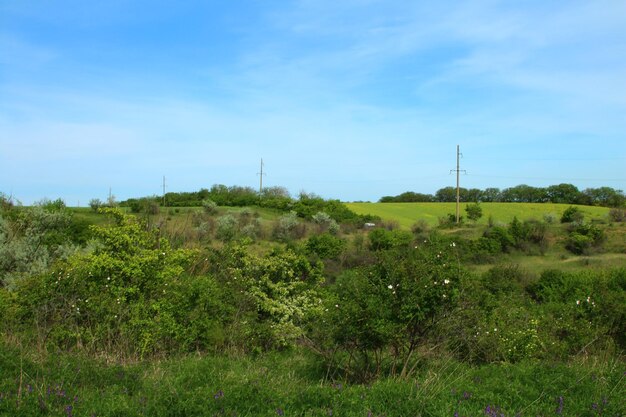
163	190
458	192
260	174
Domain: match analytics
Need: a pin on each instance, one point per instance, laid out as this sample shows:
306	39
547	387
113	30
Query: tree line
561	193
306	205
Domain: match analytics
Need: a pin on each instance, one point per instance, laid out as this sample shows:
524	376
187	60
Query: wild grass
290	384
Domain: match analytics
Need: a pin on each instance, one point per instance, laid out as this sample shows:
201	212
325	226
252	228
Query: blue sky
351	99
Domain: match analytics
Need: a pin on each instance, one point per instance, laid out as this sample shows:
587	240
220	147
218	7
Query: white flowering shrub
380	315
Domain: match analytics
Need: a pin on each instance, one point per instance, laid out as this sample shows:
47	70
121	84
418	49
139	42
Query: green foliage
474	211
223	385
32	239
382	239
381	314
121	298
96	204
583	237
326	245
146	205
572	214
502	236
483	250
209	207
325	223
287	227
276	296
226	228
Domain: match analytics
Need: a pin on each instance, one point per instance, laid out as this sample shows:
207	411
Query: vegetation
407	213
557	194
221	310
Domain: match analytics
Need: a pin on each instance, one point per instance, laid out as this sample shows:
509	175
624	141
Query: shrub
325	245
483	249
226	228
275	296
96	204
617	215
420	228
209	206
584	237
501	235
572	214
379	315
287	227
381	239
474	211
119	298
325	223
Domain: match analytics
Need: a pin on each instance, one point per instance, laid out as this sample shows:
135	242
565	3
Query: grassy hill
406	214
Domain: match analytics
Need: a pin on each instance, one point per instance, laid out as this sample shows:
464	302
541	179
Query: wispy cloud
351	99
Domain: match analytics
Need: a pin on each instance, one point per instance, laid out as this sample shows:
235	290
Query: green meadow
406	214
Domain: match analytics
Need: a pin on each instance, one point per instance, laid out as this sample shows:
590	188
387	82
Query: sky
351	99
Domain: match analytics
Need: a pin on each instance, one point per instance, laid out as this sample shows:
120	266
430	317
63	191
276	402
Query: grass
291	384
406	214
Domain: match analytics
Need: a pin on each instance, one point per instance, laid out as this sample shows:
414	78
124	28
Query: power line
547	179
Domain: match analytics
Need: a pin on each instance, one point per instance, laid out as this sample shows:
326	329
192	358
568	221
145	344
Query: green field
406	214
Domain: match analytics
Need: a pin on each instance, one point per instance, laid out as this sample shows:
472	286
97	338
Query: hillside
406	214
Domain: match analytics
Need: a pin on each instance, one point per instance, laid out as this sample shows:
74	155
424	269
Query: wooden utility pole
261	178
163	190
458	188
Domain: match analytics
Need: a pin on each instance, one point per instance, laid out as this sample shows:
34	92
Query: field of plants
406	214
303	311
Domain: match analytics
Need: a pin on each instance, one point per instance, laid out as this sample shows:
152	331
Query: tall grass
290	384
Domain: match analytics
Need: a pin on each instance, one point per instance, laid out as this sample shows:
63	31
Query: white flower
390	286
577	302
453	244
446	281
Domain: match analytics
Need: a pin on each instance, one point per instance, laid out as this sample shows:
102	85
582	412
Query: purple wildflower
219	394
280	412
559	409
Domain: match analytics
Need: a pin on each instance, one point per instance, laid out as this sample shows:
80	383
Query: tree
95	204
563	194
474	211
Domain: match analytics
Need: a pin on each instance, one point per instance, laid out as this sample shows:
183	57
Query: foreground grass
290	384
406	214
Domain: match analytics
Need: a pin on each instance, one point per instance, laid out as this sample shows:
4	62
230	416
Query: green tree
474	211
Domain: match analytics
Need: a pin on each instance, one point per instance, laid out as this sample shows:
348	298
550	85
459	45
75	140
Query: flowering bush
380	315
120	297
